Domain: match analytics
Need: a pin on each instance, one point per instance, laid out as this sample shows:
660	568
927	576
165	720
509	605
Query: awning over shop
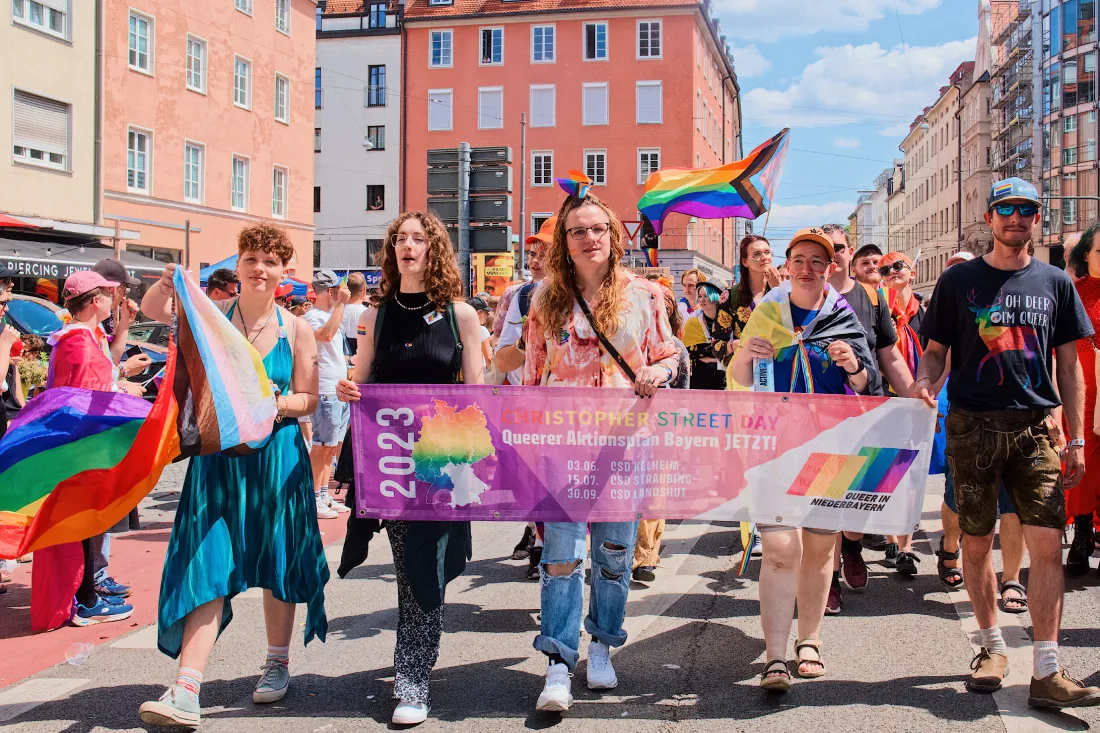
229	263
58	260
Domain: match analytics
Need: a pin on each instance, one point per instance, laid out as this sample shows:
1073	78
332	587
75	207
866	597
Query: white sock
1044	656
993	642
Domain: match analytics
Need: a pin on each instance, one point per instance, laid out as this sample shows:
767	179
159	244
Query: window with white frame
282	98
141	43
492	46
139	152
542	168
279	180
649	39
595	41
648	100
542	44
649	162
594	103
242	82
439	109
282	16
239	184
1070	123
1069	211
440	2
490	108
698	109
441	49
542	105
192	172
595	166
40	131
245	6
195	71
49	16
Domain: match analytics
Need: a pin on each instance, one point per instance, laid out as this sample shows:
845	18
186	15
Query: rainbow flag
76	461
743	189
576	184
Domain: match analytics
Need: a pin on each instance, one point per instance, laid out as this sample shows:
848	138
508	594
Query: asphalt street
897	656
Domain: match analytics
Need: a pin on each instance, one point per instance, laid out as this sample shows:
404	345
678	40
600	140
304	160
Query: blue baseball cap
1012	189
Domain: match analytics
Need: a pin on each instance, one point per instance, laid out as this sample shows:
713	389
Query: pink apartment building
207	110
617	88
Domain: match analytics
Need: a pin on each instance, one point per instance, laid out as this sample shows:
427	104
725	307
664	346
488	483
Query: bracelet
280	411
669	370
857	371
1076	443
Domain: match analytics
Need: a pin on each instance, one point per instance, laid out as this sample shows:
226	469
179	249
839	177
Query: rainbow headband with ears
576	185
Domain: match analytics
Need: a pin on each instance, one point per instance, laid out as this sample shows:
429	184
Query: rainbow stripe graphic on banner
871	471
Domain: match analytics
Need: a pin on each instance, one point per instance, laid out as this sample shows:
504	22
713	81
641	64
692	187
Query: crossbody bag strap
608	346
456	363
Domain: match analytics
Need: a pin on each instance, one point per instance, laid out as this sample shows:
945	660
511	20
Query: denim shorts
986	450
1004	501
330	421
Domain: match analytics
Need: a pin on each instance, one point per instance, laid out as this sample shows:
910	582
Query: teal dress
247	522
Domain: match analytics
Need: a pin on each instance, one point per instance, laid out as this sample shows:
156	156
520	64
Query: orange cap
815	236
545	234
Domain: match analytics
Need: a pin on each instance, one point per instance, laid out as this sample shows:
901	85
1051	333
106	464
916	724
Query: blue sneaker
175	707
110	587
105	610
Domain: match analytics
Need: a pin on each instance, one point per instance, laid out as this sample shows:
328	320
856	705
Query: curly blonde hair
442	282
556	297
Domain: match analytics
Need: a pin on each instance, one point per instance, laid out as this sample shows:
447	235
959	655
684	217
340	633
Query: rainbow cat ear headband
576	185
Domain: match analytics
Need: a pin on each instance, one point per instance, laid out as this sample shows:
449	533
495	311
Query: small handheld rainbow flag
576	185
743	189
650	256
748	541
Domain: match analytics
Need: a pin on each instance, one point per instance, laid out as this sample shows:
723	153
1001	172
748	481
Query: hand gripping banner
455	452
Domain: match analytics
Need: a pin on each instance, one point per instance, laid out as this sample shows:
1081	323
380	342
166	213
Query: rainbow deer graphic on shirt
1000	338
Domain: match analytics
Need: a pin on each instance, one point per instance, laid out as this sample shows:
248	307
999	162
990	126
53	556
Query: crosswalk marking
19	699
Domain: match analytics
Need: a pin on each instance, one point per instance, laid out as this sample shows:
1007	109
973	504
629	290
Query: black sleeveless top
412	351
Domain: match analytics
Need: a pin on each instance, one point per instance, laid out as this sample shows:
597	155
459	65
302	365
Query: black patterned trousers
418	632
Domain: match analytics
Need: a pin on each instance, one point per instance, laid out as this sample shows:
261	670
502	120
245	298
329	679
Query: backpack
525	298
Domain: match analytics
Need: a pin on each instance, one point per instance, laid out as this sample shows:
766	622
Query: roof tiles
420	9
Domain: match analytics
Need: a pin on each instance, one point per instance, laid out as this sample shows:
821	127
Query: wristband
1076	443
857	371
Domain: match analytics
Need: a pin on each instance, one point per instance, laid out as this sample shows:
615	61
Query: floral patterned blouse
730	322
574	357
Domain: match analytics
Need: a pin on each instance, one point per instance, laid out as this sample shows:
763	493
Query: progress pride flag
561	454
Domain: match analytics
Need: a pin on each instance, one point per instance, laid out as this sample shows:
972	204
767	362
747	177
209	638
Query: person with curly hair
592	324
420	331
246	521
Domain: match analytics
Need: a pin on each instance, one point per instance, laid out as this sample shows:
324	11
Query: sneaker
409	713
875	542
105	610
644	574
273	683
757	545
1061	691
337	506
110	587
1077	561
891	559
557	695
854	570
176	706
907	563
601	673
835	603
534	560
323	512
522	550
989	672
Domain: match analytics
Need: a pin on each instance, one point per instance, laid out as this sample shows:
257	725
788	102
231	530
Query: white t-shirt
350	323
509	335
332	365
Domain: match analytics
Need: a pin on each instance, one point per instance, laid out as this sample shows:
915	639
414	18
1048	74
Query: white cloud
770	20
847	142
787	219
749	62
868	83
899	130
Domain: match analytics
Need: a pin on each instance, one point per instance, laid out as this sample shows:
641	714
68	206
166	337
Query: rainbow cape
76	461
743	189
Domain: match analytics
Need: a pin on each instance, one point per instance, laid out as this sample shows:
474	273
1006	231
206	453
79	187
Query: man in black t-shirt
1001	316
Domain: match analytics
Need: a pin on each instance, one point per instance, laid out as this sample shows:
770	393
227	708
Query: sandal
776	677
1021	602
952	578
805	660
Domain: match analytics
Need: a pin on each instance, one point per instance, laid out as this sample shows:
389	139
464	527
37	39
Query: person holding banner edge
592	324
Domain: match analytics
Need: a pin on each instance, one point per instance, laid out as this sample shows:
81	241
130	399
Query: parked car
29	314
150	332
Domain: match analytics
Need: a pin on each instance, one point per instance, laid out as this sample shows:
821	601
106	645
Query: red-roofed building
617	88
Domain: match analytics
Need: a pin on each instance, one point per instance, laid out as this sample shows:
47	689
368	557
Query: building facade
879	228
1011	27
862	222
896	200
357	132
206	126
617	90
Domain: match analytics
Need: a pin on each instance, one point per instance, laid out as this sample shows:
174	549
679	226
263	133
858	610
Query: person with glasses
418	331
758	276
592	324
223	284
1002	316
690	281
825	351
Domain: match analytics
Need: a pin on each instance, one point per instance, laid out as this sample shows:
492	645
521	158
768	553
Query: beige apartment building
977	147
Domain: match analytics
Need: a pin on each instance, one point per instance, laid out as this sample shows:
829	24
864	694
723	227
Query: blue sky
837	73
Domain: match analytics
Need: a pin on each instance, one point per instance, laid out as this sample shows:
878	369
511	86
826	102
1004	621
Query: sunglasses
1026	210
895	267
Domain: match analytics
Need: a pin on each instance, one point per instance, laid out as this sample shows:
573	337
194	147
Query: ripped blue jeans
563	595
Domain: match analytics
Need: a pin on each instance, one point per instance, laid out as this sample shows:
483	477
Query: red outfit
1085	497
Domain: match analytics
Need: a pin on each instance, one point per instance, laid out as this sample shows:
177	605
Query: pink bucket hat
81	282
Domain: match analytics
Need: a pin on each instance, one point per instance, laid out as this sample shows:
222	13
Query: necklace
255	331
397	299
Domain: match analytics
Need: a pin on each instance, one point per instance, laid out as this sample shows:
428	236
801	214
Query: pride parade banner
455	452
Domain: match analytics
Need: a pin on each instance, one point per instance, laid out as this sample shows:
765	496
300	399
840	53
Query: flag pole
766	218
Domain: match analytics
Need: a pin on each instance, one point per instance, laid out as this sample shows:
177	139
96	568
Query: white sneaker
323	512
557	693
601	673
409	713
337	506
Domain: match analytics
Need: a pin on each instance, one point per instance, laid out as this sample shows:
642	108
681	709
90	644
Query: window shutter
595	105
40	123
439	110
542	107
649	102
490	108
60	5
